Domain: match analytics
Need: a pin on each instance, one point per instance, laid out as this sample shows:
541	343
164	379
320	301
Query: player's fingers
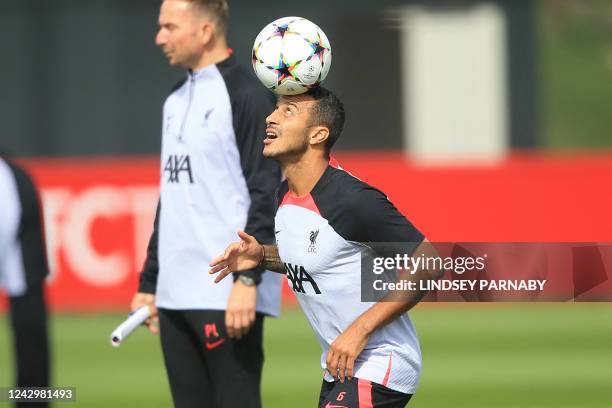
246	237
244	324
350	365
222	275
219	267
332	362
229	251
216	261
341	367
238	326
154	326
151	324
229	323
247	321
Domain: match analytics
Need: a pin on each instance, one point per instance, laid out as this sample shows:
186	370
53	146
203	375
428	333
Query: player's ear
207	30
319	135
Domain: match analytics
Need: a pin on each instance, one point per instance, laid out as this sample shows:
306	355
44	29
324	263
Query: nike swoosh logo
276	232
329	405
214	344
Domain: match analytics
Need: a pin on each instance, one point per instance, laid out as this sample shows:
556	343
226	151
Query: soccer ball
291	55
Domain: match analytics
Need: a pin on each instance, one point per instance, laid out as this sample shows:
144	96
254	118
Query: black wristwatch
247	280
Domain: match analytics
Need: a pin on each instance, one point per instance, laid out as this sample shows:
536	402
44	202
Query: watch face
246	280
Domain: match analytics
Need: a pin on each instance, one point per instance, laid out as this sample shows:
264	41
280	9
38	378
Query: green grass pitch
508	355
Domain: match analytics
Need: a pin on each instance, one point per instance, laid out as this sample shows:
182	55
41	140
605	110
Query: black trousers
30	338
205	367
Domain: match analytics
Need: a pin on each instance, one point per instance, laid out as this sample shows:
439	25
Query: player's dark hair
328	112
217	9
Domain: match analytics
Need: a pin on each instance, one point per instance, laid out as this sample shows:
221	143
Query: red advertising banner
98	219
99	211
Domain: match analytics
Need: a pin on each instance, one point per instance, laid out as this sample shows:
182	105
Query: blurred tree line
576	73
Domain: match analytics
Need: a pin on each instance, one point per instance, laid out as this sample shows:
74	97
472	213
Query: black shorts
205	367
359	393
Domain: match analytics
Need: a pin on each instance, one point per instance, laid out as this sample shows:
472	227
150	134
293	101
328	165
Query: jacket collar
210	69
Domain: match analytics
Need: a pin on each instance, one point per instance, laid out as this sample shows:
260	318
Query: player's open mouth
271	135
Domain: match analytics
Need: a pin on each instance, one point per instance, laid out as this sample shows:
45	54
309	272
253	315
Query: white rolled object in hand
136	318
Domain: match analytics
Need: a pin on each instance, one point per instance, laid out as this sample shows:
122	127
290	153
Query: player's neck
215	54
304	174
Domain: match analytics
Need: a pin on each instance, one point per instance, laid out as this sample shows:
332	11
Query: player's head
309	122
189	28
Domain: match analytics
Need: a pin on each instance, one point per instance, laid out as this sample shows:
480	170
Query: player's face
287	131
181	33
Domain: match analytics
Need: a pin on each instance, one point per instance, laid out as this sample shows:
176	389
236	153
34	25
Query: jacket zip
191	86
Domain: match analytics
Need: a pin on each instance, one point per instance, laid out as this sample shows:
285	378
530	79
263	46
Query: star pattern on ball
317	47
281	29
284	70
283	73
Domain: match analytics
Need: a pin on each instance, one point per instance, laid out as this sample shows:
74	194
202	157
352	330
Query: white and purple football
291	55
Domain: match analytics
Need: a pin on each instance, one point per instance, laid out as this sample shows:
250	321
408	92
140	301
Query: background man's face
288	125
179	33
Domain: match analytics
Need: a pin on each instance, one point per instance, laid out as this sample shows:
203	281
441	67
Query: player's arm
148	278
150	270
271	259
346	347
246	255
376	220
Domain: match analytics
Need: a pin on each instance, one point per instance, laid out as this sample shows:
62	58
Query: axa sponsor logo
178	168
298	276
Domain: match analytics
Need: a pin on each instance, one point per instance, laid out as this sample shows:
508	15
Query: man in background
214	182
23	269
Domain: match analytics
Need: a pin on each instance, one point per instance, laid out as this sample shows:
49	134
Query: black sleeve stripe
150	270
251	104
361	213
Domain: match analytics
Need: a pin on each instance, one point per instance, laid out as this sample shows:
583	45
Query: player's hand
344	351
147	299
240	312
238	257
